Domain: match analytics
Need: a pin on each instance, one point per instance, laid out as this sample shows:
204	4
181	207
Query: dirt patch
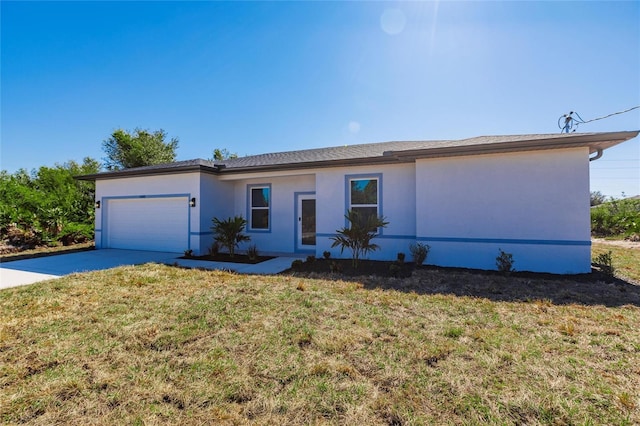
618	243
9	255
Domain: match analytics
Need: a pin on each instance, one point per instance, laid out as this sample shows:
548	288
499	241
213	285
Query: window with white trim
364	197
260	203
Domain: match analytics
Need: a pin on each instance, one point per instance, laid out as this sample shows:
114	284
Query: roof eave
317	164
146	172
593	141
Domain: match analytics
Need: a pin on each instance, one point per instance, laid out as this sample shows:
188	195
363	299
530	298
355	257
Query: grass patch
46	251
155	344
626	261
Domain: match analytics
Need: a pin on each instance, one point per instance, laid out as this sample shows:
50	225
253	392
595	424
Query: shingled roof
381	153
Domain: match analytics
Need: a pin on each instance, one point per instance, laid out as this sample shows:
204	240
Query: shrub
400	258
74	233
311	259
394	270
188	253
335	267
357	237
617	217
605	262
296	264
252	252
214	249
229	232
419	252
326	254
505	261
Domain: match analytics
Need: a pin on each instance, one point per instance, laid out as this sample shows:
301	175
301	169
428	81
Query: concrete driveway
29	271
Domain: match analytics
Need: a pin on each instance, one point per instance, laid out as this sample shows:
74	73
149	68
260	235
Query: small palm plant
358	235
229	232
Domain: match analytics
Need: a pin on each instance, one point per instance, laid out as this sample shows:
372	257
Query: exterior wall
216	200
281	236
534	205
396	204
139	187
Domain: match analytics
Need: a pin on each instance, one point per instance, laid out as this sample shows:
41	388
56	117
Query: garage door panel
157	224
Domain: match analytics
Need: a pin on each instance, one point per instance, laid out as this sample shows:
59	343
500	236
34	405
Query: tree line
49	206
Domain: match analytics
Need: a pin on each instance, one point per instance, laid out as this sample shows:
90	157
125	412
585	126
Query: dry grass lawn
626	261
156	344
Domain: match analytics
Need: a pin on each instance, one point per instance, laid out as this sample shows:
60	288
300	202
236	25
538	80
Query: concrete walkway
29	271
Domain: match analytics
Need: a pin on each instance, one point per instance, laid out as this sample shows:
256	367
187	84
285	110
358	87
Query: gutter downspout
598	155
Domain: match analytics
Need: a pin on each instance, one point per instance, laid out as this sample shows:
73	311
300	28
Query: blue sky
257	77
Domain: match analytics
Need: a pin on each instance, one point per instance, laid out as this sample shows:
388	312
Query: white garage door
156	224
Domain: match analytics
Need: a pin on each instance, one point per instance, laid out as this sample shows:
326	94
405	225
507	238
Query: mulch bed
224	257
595	288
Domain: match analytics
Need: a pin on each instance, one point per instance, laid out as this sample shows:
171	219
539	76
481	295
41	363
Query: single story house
526	194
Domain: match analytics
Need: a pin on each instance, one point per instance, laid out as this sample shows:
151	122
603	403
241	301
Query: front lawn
626	261
156	344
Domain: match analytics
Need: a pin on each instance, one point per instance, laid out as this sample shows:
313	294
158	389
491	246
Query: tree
140	148
229	232
357	237
597	198
223	154
48	204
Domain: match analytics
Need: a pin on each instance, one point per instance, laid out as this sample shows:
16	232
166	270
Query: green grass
625	261
155	344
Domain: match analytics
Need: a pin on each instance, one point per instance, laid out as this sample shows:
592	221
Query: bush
419	252
188	253
296	265
75	233
357	237
326	254
616	218
335	267
605	262
394	269
311	259
400	258
214	249
505	261
252	252
229	232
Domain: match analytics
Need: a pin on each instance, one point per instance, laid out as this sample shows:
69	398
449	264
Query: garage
158	223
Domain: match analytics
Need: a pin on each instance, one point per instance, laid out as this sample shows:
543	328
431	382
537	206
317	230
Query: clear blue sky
275	76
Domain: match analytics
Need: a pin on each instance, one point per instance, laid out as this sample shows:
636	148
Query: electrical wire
570	121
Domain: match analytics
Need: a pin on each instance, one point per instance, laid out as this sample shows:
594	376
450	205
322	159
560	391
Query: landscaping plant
252	252
358	235
419	252
504	261
229	232
616	218
605	262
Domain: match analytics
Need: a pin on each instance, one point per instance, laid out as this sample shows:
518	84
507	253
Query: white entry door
306	233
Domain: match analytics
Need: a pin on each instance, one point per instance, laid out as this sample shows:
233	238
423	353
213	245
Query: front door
306	235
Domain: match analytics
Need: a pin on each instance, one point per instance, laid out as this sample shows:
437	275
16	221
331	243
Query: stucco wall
280	238
534	205
187	183
217	199
397	205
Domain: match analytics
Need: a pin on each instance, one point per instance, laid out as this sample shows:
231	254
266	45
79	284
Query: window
259	206
363	197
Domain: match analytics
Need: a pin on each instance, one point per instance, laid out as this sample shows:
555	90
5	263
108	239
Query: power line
567	122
